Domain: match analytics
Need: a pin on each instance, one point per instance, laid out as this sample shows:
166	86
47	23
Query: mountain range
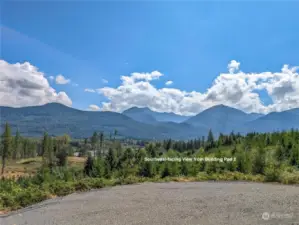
145	115
143	123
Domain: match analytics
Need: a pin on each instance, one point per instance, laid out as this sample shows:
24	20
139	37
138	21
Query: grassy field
29	166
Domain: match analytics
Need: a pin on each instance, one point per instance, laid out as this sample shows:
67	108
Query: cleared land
168	203
29	166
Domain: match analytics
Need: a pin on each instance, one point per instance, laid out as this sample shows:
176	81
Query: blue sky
191	43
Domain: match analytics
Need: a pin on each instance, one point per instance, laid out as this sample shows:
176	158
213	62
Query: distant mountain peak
222	108
147	115
54	103
137	109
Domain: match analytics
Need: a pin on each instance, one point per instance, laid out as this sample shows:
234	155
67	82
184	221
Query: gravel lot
172	203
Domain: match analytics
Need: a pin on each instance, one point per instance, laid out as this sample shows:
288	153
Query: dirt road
202	203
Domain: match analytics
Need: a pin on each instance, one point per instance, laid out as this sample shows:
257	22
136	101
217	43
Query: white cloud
93	108
169	83
62	80
233	66
235	88
105	81
89	90
24	85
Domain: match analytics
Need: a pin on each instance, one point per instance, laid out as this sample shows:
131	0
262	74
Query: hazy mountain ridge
57	119
143	123
222	118
146	115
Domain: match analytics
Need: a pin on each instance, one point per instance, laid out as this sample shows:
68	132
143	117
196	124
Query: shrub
82	185
289	178
61	188
7	201
30	196
272	173
131	180
97	183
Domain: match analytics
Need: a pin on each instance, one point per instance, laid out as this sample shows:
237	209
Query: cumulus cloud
62	80
89	90
234	88
233	66
24	85
93	108
169	83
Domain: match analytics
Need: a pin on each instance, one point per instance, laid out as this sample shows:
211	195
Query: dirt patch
74	159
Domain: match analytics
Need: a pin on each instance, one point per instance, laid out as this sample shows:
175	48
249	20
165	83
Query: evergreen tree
111	159
184	168
294	158
168	144
203	142
151	150
267	141
241	161
17	143
210	140
7	144
115	133
279	152
62	157
88	167
101	143
99	167
127	163
258	161
48	153
94	141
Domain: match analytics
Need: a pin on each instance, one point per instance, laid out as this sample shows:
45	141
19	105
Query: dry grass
74	159
28	167
184	179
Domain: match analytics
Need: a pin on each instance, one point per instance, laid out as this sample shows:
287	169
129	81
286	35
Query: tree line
253	153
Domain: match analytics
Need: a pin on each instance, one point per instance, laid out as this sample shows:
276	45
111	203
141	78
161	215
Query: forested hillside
57	119
107	161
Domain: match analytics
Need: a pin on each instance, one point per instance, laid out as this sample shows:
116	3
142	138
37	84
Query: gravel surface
172	203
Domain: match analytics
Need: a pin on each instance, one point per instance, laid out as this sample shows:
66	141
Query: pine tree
62	157
111	159
267	141
203	142
94	141
101	143
168	144
48	153
279	152
115	133
151	150
17	142
210	140
127	162
258	161
88	168
184	168
6	142
241	161
294	158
